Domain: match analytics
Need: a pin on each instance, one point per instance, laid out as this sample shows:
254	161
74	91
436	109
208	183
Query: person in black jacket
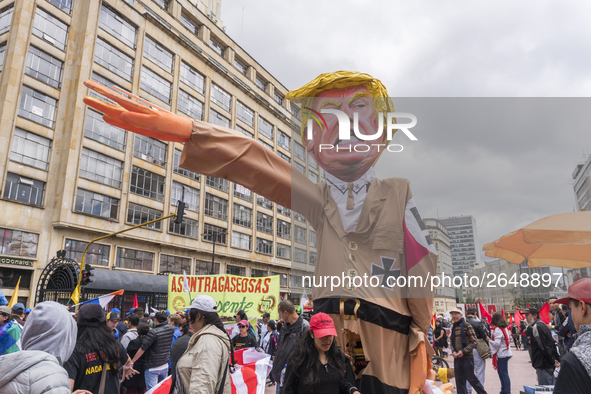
542	348
178	349
245	338
271	345
481	335
318	365
137	384
156	345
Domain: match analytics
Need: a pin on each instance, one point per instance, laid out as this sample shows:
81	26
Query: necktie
350	201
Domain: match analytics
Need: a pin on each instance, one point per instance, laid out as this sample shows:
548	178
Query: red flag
503	313
528	305
484	312
135	305
433	320
545	313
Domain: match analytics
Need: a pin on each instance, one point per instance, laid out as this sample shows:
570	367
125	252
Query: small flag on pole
103	300
14	298
135	304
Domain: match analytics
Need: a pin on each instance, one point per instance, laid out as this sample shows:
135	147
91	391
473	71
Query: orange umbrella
562	240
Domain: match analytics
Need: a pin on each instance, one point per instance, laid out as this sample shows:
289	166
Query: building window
146	183
158	54
260	83
162	3
96	204
241	67
283	229
284	211
211	232
283	251
2	53
97	129
216	207
44	67
5	18
189	24
244	113
283	140
282	278
300	234
270	147
117	26
242	192
188	228
264	246
37	107
312	163
96	254
192	77
235	270
178	170
138	214
18	243
299	217
254	273
105	82
284	156
217	119
299	255
299	151
313	238
190	105
295	111
221	97
150	149
312	258
113	59
191	196
313	177
299	167
278	98
134	259
264	223
50	29
64	5
242	216
204	268
25	190
265	128
244	131
175	264
101	168
216	46
218	183
241	241
295	280
264	202
155	85
30	149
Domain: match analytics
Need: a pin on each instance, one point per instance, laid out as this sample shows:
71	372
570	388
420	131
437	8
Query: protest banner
232	293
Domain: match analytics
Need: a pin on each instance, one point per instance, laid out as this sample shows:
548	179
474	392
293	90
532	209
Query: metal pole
215	236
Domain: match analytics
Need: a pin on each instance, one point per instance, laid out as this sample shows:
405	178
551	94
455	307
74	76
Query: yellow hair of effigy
340	79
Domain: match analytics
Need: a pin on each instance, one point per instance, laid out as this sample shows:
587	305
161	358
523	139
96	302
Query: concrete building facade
464	242
445	297
67	177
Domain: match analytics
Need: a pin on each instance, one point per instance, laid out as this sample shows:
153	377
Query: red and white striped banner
249	378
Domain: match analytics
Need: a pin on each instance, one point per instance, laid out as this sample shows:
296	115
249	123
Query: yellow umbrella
562	240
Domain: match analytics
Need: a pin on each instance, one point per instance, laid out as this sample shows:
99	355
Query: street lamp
214	235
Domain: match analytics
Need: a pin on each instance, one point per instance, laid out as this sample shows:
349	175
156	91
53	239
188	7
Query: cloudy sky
497	89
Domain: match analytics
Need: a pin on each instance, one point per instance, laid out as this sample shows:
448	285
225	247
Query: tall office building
445	297
67	177
582	185
464	242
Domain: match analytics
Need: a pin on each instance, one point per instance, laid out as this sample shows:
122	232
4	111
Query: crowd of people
47	350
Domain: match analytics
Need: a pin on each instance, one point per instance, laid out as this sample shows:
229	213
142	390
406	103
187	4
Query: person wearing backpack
542	348
271	339
440	339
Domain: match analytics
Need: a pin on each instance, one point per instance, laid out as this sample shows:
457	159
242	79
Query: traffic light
180	212
86	275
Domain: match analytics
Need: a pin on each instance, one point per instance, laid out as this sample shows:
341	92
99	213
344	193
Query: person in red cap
319	365
245	338
575	366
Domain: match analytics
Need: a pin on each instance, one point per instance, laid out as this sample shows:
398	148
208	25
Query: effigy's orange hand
139	118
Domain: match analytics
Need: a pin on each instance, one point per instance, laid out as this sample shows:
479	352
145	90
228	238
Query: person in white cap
204	367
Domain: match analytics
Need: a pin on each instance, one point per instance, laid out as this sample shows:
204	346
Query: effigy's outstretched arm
209	149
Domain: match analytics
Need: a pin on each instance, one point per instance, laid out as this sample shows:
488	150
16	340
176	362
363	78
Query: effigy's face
345	159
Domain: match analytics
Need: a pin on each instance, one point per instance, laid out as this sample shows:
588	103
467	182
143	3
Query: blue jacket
565	329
